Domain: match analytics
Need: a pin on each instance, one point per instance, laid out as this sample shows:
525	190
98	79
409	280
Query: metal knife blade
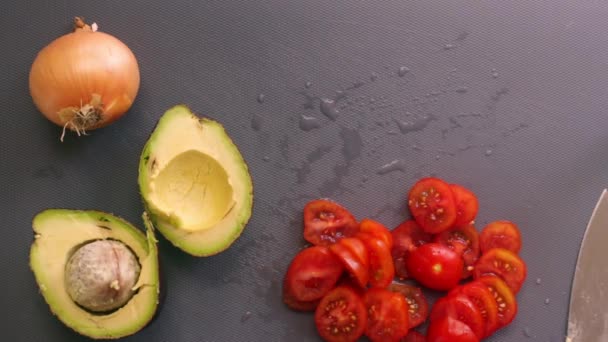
588	311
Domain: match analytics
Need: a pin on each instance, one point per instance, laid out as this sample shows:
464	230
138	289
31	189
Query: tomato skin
418	307
464	240
467	205
504	264
461	308
431	202
381	268
406	238
297	305
449	329
378	230
341	315
414	336
435	266
479	294
355	258
501	234
387	317
312	273
505	299
326	222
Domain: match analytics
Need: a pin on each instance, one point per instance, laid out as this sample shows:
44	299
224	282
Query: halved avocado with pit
98	274
195	183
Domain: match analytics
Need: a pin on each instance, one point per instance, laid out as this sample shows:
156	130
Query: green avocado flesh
64	258
195	183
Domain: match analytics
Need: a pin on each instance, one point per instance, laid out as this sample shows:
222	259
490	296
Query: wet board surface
351	100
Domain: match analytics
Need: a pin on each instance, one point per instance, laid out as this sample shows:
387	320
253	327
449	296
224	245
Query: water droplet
256	122
261	98
328	108
416	125
527	332
266	158
246	316
538	280
547	301
449	46
488	152
308	84
373	77
391	132
402	71
494	73
462	90
395	165
308	123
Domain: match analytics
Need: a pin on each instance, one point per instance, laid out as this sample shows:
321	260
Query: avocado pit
100	275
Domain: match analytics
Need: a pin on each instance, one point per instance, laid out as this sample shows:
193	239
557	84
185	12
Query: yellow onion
84	80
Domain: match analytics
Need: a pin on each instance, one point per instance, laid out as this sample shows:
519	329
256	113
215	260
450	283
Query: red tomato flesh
504	297
449	329
378	230
406	237
326	222
381	268
312	273
467	205
387	315
355	257
435	266
464	240
479	294
341	316
501	234
460	308
414	336
504	264
431	202
418	307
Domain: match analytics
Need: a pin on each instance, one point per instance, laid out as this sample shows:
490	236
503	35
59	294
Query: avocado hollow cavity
193	190
100	275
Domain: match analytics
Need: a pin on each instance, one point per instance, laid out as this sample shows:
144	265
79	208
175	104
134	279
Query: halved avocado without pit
195	183
98	274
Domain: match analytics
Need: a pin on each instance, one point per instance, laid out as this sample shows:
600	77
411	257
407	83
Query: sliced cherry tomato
504	264
479	294
431	202
460	308
467	205
341	315
387	317
504	297
381	268
464	240
378	230
355	257
312	273
414	336
418	307
326	222
501	234
449	329
406	237
435	266
298	305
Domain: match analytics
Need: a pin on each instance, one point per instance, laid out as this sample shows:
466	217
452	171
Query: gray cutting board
506	97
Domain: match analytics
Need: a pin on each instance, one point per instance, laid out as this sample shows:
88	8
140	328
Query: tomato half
501	234
312	273
479	294
326	222
355	257
414	336
435	266
464	240
467	205
504	297
431	202
504	264
418	307
378	230
406	237
449	329
341	315
298	305
381	268
460	308
387	317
